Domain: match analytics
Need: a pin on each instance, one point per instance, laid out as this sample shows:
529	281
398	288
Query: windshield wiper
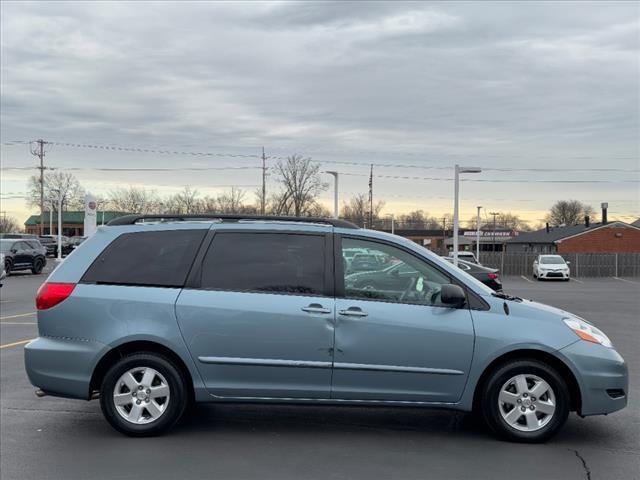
506	296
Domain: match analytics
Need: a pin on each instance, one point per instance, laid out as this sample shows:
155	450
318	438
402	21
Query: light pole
478	235
458	171
335	192
59	259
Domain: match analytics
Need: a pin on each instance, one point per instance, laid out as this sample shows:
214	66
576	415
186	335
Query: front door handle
316	308
353	312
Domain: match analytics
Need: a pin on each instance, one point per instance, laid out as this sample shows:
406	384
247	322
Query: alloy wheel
141	395
526	402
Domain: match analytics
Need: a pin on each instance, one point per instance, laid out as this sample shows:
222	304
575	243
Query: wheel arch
524	354
138	346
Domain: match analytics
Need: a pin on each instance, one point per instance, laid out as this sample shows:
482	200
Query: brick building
612	237
72	222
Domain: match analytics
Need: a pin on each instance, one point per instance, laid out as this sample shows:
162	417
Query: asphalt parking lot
54	438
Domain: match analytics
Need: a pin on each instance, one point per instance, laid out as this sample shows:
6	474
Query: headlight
587	332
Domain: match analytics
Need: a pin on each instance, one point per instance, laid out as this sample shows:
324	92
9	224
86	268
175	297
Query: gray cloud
498	84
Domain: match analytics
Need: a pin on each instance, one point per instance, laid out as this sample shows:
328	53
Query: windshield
5	246
552	260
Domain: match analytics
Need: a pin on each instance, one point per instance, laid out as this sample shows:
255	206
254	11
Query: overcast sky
499	85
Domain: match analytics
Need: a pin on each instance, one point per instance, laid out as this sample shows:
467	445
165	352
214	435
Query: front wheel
525	401
143	394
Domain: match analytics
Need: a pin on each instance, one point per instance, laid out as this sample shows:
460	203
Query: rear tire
143	395
37	267
525	401
7	267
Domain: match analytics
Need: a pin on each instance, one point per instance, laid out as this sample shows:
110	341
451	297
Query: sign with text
90	215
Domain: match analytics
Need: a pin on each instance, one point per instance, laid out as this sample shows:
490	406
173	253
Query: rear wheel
143	394
38	265
525	401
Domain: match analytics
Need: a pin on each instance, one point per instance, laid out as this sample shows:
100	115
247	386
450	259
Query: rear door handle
353	312
316	308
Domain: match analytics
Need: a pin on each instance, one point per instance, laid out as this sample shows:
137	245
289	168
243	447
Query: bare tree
56	184
232	202
9	225
301	184
569	212
356	210
184	202
417	219
134	200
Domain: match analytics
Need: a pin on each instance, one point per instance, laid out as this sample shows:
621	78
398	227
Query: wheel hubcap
526	403
141	395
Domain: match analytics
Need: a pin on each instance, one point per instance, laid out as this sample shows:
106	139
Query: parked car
465	255
76	241
551	266
22	255
364	262
51	244
149	317
3	273
488	276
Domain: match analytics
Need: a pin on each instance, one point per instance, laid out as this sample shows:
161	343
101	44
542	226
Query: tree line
299	184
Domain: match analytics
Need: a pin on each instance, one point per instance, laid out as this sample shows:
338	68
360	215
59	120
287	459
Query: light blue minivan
154	313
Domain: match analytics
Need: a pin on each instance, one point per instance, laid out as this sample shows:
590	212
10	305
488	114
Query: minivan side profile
154	313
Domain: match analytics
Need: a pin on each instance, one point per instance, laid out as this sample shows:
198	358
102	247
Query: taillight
493	276
51	294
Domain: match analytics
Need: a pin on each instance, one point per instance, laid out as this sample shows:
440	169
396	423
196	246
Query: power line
336	162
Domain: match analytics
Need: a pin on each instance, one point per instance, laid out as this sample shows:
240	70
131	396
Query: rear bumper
602	376
62	366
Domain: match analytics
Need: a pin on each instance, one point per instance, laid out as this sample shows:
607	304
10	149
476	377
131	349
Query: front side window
395	276
265	263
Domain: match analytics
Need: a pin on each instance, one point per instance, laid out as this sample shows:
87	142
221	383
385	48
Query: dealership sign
491	233
90	215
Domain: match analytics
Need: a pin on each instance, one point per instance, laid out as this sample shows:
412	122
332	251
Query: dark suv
22	255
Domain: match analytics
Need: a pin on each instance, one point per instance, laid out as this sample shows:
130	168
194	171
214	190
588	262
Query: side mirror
568	263
452	295
13	250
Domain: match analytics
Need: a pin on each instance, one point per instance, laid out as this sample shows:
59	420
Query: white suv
551	266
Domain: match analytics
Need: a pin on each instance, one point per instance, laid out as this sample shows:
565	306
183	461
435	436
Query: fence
582	264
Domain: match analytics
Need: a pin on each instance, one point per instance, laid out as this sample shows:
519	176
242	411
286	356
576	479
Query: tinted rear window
265	262
161	259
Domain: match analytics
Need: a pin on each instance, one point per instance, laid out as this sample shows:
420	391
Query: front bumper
602	376
62	366
549	274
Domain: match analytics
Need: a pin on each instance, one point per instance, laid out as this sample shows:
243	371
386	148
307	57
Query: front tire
525	401
143	394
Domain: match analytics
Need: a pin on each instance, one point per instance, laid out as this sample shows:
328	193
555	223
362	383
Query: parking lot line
576	280
15	344
18	315
18	323
525	278
625	280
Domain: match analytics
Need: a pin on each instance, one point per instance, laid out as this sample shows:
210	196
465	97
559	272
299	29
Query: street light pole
458	171
478	235
59	226
335	192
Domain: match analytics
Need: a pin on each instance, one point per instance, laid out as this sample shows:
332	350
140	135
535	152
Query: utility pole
478	235
495	214
335	193
38	151
371	198
264	183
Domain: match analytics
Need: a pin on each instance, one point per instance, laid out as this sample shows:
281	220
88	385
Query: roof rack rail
132	219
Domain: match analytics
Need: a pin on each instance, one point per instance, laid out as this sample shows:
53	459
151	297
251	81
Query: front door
261	321
394	339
